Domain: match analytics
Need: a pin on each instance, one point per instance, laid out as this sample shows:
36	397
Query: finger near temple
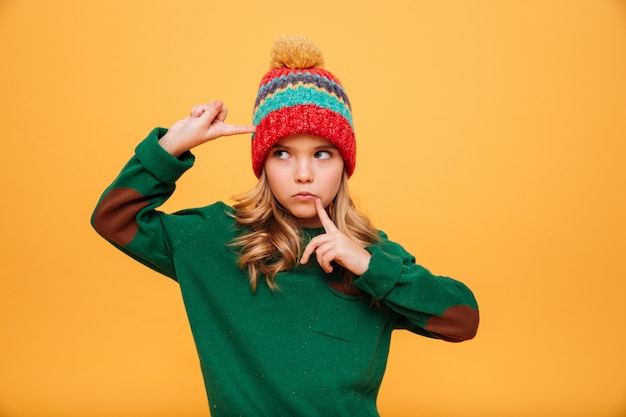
237	130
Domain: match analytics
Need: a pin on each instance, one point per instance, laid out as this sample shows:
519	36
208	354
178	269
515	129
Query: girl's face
301	169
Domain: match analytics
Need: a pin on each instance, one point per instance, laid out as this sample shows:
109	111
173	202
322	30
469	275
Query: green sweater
304	350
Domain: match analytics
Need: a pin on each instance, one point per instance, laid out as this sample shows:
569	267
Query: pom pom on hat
295	51
298	96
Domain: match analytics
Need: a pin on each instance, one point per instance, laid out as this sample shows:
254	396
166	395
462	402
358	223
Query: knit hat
298	96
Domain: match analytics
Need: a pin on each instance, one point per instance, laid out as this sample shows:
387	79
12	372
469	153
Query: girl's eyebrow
329	146
289	148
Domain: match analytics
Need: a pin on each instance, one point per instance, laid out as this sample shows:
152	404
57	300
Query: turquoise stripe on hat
301	95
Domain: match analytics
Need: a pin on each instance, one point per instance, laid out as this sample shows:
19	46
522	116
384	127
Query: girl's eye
323	155
281	154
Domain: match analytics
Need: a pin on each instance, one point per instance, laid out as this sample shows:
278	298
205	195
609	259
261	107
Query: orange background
491	142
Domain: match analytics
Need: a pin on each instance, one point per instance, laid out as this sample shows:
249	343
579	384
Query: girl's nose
304	171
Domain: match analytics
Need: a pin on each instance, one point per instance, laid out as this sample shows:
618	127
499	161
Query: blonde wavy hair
271	241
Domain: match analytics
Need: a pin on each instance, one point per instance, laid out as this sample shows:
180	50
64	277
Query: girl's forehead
305	140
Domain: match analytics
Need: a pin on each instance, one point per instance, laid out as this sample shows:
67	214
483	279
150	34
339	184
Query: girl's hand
335	246
205	123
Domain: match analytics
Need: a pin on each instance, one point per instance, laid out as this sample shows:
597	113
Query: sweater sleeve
126	214
426	304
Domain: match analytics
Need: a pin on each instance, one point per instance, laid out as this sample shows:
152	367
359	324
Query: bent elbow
456	324
115	216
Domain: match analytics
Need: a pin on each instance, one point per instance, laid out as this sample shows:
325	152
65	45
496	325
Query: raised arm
126	213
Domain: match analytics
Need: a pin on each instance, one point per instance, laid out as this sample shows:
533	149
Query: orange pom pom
297	52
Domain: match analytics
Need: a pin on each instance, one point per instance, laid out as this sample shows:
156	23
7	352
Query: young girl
291	294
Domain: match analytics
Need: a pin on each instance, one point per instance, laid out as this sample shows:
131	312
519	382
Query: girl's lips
304	196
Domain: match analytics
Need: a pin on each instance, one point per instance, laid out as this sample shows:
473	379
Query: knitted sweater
304	350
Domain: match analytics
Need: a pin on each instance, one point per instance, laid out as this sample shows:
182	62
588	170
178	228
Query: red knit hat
298	96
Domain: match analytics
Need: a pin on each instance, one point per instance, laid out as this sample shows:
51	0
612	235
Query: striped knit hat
298	96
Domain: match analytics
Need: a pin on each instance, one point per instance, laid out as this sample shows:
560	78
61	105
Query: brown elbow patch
116	216
456	324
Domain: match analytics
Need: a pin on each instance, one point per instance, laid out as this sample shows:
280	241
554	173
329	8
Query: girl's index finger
327	223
